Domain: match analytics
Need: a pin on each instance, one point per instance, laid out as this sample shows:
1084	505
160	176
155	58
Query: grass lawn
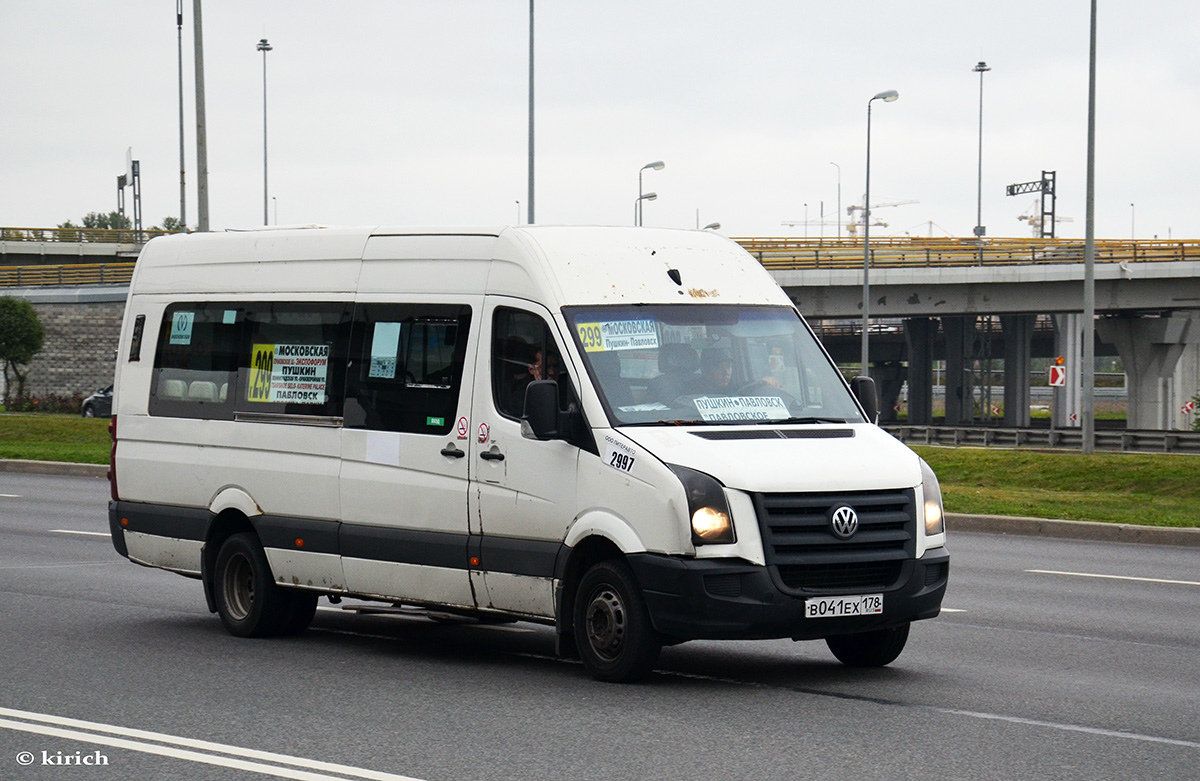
1147	489
43	437
1142	488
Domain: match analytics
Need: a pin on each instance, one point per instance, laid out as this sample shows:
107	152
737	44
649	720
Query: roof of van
562	264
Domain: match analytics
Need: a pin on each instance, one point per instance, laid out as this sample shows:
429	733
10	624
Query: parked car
98	405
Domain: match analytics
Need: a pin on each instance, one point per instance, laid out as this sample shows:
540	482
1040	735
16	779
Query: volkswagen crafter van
630	435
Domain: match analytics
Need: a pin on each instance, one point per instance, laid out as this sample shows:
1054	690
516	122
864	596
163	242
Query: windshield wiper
812	420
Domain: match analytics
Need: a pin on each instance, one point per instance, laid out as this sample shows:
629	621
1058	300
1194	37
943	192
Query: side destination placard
291	373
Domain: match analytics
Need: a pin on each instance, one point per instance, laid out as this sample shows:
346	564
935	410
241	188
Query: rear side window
216	360
406	367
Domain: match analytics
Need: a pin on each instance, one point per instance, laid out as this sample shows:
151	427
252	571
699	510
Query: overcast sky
412	112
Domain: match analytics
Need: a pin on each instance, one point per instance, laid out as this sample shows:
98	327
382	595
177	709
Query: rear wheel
248	601
869	649
615	638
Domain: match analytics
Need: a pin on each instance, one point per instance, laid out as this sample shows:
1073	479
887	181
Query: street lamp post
839	208
981	68
657	165
637	206
265	47
182	153
886	97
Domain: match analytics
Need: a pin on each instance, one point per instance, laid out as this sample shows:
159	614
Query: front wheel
616	640
869	649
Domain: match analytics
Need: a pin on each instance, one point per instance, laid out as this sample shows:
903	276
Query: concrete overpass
977	307
966	303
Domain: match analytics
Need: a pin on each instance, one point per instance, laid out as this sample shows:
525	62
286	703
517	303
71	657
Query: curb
1073	530
53	468
955	522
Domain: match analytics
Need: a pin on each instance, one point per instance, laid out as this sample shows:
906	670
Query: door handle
492	455
452	451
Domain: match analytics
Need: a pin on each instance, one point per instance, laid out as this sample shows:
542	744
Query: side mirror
541	411
864	391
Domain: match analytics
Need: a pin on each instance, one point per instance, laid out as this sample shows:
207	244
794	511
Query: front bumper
694	599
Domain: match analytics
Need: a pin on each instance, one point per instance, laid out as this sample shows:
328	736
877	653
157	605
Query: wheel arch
224	524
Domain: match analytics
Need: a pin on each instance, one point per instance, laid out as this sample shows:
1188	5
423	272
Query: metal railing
81	235
792	253
1140	441
73	274
774	253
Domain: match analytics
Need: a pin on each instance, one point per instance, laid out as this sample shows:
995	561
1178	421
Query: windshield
706	364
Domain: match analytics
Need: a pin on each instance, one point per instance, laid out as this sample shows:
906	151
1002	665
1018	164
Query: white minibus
628	434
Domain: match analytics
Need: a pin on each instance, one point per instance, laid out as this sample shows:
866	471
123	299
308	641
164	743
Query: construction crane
1033	215
853	225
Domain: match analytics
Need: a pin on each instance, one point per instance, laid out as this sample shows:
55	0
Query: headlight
707	507
934	522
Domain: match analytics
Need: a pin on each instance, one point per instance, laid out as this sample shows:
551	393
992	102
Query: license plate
842	607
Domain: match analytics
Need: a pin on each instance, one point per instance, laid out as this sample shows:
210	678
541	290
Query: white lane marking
59	566
1114	577
953	610
1108	733
73	531
10	496
229	760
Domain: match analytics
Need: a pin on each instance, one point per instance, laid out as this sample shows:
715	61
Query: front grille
803	552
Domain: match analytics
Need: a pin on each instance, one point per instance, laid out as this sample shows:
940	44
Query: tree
21	338
110	221
173	225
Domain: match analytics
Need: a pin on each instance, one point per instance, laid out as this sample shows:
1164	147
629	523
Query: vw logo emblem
844	522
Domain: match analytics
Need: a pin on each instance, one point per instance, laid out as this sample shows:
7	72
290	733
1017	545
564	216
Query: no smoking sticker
463	427
484	432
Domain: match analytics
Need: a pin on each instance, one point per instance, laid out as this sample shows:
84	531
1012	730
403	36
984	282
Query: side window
196	362
217	359
292	359
523	350
406	367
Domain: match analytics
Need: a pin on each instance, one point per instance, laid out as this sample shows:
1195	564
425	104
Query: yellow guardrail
793	253
74	274
80	235
775	253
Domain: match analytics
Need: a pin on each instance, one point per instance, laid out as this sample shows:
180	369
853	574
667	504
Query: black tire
617	642
869	649
87	411
301	607
248	601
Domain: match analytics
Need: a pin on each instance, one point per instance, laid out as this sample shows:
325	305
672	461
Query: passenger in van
678	363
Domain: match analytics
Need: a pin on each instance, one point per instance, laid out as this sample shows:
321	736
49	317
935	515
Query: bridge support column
1068	342
919	332
1150	348
890	379
1018	341
960	379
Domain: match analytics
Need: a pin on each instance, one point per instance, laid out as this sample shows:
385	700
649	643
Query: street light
839	210
981	68
637	206
887	97
713	226
264	47
657	165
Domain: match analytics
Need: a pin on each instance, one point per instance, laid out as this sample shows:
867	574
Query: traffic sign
1058	376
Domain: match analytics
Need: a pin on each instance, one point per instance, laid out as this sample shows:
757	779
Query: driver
716	373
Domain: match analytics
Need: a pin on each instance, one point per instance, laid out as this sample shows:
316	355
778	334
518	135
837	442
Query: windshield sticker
618	454
618	335
293	373
741	408
181	327
653	407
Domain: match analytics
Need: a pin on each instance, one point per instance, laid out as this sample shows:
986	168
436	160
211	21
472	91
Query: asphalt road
1030	673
